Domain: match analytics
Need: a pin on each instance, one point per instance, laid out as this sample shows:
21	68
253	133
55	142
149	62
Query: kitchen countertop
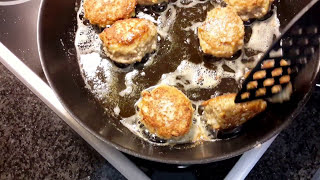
36	144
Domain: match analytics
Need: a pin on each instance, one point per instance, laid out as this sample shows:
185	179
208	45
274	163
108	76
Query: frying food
283	95
248	9
222	33
164	115
106	12
150	2
166	111
222	113
128	41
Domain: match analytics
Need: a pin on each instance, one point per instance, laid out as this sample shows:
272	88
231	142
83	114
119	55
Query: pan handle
248	160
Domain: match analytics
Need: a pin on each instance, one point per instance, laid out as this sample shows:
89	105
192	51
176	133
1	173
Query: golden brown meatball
166	111
106	12
222	33
222	113
128	41
248	9
151	2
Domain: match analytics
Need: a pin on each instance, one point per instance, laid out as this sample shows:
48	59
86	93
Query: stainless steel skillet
56	30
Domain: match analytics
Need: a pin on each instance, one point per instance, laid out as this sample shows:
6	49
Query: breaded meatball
106	12
128	41
222	33
248	9
150	2
166	111
222	113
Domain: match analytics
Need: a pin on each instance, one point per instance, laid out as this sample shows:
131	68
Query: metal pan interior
59	59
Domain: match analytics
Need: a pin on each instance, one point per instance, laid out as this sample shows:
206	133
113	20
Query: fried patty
150	2
166	111
222	33
248	9
106	12
222	113
128	41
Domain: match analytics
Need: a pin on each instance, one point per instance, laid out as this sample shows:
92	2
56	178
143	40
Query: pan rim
237	152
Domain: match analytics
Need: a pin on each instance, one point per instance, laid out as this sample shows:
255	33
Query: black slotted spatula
299	43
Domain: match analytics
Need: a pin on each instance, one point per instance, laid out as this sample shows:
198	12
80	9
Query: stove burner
12	2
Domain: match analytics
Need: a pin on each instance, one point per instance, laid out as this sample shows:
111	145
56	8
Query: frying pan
56	29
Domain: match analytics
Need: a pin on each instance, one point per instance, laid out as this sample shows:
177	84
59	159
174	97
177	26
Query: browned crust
128	41
225	114
125	32
222	33
250	8
150	2
166	111
106	12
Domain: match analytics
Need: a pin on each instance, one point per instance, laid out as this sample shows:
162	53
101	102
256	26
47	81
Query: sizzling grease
178	61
